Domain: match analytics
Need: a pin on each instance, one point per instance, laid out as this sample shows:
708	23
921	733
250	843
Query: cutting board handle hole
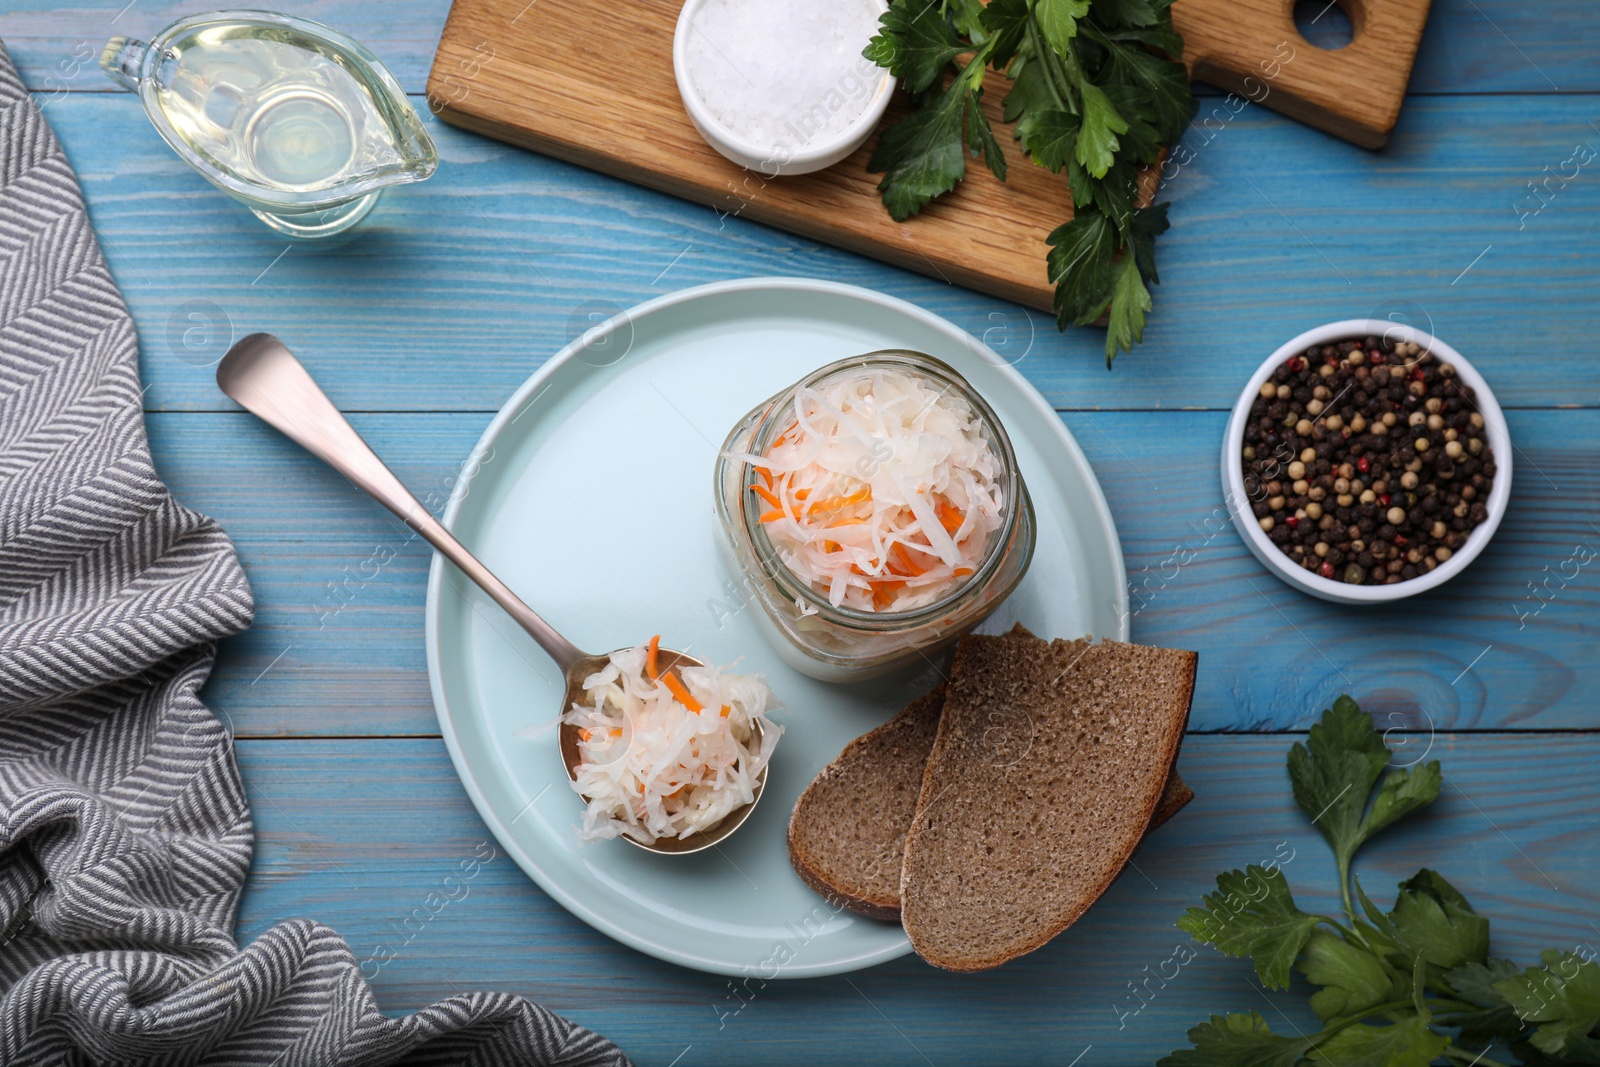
1328	24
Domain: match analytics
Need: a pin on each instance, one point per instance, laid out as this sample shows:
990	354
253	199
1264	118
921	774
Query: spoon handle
265	377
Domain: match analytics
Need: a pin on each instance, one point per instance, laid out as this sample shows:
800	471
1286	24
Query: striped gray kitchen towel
124	831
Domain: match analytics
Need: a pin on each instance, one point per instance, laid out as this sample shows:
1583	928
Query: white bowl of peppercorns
1366	461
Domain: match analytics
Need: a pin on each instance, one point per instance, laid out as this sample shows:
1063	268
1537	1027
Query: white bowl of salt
779	86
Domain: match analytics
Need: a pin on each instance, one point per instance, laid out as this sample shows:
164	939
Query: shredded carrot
962	572
681	692
883	592
616	731
766	476
835	516
907	562
725	710
950	516
584	734
650	657
835	503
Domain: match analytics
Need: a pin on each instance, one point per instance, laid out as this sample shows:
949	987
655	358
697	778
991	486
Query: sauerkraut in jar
883	490
875	512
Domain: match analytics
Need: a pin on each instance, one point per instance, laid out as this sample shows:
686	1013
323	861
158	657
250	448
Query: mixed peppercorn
1367	461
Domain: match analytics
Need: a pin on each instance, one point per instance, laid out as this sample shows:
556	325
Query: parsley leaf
1410	1042
1435	922
1160	87
980	138
1059	21
1333	774
1127	12
1148	224
1097	140
1252	913
1161	37
1087	96
1402	792
966	16
1352	978
1081	252
1084	188
1562	998
916	43
921	156
1116	193
1140	140
1007	21
1048	137
1237	1041
1495	1019
1030	91
1390	985
1379	934
1580	1051
1129	302
1089	278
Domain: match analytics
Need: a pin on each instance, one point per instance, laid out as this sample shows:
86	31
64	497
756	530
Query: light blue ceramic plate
590	495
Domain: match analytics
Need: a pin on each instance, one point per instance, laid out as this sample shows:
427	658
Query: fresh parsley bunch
1093	92
1407	988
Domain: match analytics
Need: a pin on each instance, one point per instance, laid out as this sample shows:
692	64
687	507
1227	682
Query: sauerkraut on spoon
883	492
668	753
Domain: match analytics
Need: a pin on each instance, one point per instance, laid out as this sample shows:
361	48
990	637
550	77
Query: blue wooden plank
463	285
362	834
1470	46
337	646
1508	643
54	42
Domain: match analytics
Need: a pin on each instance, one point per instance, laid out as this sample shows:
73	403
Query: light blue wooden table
459	288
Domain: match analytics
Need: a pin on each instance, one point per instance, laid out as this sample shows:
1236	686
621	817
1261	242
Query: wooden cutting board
593	84
1252	48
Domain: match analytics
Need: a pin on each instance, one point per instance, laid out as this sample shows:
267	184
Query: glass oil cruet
295	120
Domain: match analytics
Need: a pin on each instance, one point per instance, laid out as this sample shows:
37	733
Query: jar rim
1000	544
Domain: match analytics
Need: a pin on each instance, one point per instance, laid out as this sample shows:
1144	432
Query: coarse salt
784	75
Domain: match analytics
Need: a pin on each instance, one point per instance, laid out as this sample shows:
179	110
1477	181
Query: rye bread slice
1049	762
847	833
1176	793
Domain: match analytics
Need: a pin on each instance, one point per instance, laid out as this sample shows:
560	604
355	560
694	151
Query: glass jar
837	644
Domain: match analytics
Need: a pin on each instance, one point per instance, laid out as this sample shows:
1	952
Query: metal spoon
262	375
